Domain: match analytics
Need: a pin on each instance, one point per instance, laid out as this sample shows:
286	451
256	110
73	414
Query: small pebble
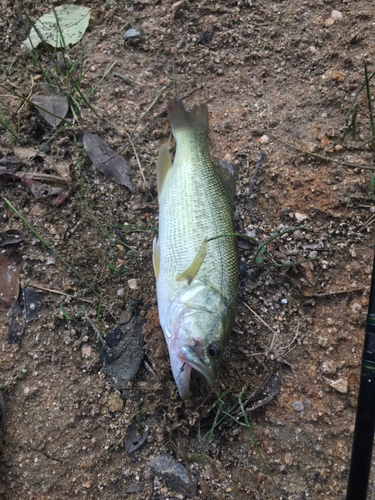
133	285
115	403
288	459
328	367
284	301
340	385
300	217
86	351
336	15
298	406
297	235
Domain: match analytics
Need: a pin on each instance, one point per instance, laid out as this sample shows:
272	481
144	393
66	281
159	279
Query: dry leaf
10	237
9	282
106	160
53	108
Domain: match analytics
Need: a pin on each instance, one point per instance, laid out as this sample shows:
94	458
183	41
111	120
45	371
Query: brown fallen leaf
9	282
52	188
53	108
110	163
324	141
10	237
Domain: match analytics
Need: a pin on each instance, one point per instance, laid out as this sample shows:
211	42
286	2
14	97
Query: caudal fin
179	118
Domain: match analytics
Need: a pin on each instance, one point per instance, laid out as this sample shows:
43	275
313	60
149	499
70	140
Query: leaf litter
63	26
52	107
110	163
10	237
9	282
53	189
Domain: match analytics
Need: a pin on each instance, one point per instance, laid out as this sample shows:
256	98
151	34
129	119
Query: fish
196	275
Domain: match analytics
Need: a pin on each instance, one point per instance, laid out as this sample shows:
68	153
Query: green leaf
68	316
372	183
59	28
259	255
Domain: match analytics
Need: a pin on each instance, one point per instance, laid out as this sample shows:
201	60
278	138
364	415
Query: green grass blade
367	82
351	108
354	121
50	248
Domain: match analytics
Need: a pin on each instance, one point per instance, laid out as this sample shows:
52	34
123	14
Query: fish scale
194	206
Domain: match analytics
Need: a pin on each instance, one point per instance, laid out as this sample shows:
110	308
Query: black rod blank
363	439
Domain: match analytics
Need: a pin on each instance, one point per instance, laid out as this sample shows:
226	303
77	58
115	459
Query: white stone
336	15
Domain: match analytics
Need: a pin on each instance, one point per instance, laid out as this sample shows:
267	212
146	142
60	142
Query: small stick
139	163
150	369
260	164
59	293
368	222
100	338
336	292
349	165
149	108
264	323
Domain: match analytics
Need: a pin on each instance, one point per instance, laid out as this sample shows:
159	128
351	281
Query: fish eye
214	351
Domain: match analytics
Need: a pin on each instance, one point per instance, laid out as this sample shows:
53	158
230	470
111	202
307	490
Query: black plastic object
365	421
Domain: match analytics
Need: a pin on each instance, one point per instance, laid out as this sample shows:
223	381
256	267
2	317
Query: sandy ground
271	73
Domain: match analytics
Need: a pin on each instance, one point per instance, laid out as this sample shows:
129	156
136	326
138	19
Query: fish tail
179	118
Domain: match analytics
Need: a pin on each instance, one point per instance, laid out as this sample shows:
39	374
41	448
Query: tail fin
179	118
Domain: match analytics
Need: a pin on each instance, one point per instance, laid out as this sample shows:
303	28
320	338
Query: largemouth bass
196	278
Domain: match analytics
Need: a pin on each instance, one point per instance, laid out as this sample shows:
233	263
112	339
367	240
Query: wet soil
271	73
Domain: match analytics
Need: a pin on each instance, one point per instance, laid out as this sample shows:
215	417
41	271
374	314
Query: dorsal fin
163	166
224	170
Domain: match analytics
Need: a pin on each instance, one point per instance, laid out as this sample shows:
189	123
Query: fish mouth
190	361
194	359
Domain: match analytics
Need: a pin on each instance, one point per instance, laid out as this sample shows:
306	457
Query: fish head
197	339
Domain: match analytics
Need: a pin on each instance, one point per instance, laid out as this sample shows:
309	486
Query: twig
260	164
314	155
149	109
139	163
336	292
368	222
100	338
59	293
150	369
264	323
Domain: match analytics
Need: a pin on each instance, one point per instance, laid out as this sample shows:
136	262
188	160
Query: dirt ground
271	73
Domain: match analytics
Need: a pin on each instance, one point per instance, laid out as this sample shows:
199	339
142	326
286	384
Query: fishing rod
363	439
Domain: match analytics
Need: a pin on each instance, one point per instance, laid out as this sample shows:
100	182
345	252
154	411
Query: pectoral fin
163	166
156	257
196	264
